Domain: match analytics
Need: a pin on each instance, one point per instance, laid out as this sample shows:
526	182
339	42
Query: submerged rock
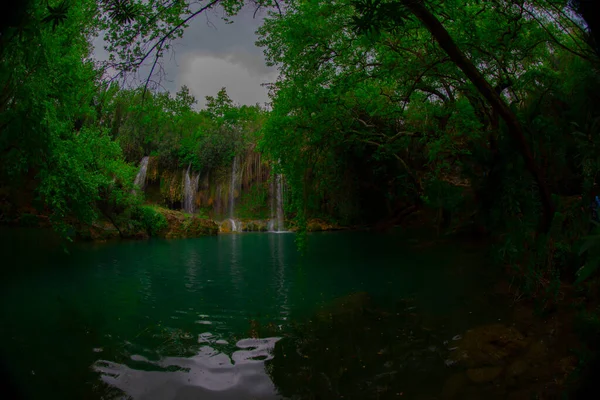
454	385
489	345
484	374
351	349
498	358
537	352
517	368
344	307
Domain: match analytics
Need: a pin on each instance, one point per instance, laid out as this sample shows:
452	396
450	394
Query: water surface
183	319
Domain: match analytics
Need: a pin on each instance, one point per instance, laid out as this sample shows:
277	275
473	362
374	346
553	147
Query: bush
149	219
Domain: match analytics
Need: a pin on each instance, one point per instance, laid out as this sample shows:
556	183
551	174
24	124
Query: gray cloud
253	62
213	54
205	75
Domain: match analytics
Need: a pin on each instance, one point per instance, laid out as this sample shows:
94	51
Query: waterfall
277	224
232	188
280	223
271	223
234	225
189	190
140	179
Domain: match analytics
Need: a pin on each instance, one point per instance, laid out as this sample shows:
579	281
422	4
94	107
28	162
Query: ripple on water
210	374
256	350
205	337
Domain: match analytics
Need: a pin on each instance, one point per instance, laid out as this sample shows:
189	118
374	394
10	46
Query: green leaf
122	11
57	15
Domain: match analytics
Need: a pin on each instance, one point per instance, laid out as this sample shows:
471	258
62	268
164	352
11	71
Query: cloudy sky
213	54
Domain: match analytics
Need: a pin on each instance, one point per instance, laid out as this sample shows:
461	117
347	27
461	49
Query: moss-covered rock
171	185
225	226
319	225
178	225
152	171
181	225
255	226
243	225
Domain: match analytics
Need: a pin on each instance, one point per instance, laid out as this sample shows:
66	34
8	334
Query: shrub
149	219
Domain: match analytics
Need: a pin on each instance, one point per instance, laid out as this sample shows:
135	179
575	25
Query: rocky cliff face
241	190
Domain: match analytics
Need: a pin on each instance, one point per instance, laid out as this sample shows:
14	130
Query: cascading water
140	179
271	223
279	211
277	224
235	227
190	187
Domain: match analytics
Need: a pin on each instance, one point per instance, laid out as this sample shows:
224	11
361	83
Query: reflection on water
276	247
351	349
134	316
235	264
210	374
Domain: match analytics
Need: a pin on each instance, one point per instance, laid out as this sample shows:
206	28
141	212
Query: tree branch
555	40
441	35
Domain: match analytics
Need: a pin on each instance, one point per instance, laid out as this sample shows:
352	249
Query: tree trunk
441	35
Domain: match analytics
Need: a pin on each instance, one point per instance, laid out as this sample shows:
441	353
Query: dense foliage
485	111
484	114
49	89
71	142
